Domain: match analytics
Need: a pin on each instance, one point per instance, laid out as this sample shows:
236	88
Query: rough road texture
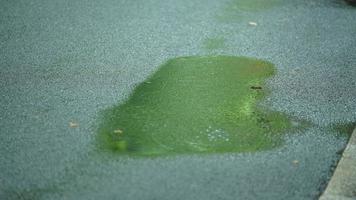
63	62
343	183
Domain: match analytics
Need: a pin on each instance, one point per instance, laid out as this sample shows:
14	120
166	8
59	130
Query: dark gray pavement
342	186
66	61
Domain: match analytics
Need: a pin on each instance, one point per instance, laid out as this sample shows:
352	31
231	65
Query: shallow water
196	104
68	61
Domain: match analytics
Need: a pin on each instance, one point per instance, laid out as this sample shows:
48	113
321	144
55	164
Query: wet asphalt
63	62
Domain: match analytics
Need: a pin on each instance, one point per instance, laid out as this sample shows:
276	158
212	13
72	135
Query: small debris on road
118	131
73	124
256	87
252	23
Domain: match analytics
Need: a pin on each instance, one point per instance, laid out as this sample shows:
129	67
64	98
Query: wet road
65	62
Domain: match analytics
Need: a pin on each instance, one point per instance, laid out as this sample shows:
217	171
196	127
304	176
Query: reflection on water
196	104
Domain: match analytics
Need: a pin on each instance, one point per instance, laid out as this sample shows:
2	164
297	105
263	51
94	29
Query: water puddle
197	104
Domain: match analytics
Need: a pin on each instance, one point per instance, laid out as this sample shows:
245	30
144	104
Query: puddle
237	9
198	104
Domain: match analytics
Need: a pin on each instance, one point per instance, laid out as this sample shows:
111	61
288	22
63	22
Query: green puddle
198	104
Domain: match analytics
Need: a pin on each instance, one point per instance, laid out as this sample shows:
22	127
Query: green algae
198	104
238	9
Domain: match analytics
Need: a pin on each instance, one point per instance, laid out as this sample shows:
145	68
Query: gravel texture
66	61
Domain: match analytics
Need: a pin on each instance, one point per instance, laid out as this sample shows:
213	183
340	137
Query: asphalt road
66	61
